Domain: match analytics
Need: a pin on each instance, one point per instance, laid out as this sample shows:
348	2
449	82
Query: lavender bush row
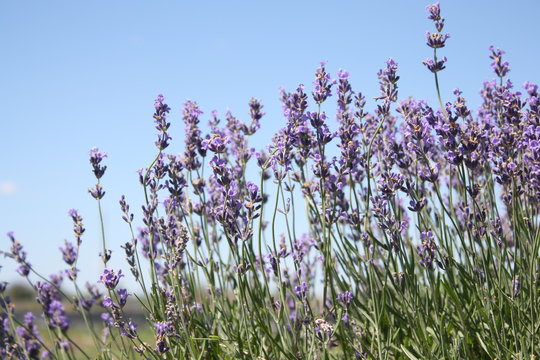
411	232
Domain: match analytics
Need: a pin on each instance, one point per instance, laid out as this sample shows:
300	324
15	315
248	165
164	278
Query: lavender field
366	226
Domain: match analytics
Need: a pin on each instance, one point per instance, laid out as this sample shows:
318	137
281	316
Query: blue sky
74	75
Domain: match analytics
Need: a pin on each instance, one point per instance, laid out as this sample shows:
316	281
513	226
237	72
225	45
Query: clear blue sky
76	74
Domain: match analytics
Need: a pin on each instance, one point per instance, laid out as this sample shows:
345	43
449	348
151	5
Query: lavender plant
421	233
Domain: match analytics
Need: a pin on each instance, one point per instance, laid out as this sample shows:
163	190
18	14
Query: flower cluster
51	302
226	268
110	279
160	118
18	254
95	160
436	40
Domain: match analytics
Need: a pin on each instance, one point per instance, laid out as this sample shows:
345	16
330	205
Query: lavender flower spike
160	116
69	253
434	11
110	279
95	159
323	84
17	253
500	67
78	226
427	250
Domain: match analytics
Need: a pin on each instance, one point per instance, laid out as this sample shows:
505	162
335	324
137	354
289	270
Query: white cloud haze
8	188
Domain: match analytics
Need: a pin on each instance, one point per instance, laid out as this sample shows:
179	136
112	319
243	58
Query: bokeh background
74	75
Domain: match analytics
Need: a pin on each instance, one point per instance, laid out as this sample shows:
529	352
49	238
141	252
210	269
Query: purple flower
163	329
69	253
107	319
216	144
434	11
97	192
78	228
193	135
256	114
16	252
388	85
130	330
345	299
253	192
49	299
427	250
95	159
430	174
417	205
294	103
107	302
323	84
23	270
501	68
160	119
123	295
380	207
435	66
56	279
128	217
110	279
344	90
436	40
31	340
301	291
531	88
106	256
389	183
176	182
87	303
